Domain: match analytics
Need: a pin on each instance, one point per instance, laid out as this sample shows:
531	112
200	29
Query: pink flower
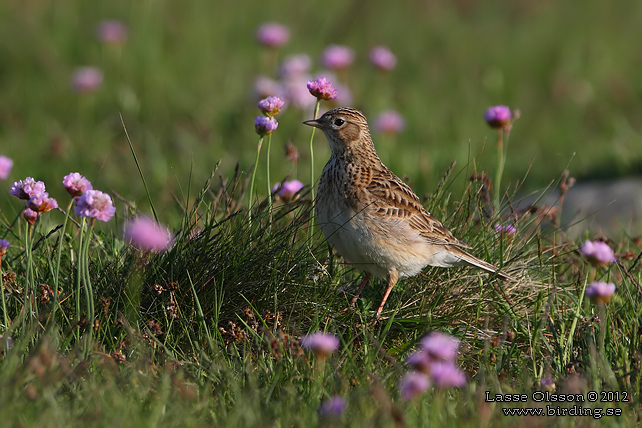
498	116
598	253
42	203
76	184
344	96
4	244
413	384
272	34
322	89
30	215
111	32
147	235
295	65
333	407
5	167
287	189
419	361
271	106
265	125
94	204
86	79
440	346
337	57
322	344
445	374
547	384
389	122
600	292
506	230
265	87
296	93
382	58
24	189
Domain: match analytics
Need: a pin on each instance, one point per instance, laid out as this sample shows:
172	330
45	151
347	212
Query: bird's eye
339	122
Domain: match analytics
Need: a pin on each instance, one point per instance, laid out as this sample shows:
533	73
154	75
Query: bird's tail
470	260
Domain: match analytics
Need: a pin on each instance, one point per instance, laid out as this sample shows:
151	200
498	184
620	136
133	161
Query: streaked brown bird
371	217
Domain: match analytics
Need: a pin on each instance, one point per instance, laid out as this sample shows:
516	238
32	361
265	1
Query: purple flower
498	116
287	189
147	235
265	125
419	360
24	189
94	204
337	57
272	34
30	215
76	184
600	292
42	203
5	167
296	65
445	374
506	230
382	58
547	384
271	106
344	96
265	87
4	244
322	89
322	344
598	253
296	93
333	407
111	32
413	384
86	79
440	346
389	122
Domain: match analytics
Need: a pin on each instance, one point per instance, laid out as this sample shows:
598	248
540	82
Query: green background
183	83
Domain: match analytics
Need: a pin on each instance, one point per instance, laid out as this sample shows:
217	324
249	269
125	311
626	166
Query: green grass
208	333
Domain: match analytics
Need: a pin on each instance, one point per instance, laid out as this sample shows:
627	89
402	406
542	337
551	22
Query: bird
371	217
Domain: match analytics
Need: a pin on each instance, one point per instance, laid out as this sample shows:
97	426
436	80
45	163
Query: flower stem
316	113
256	164
602	331
4	304
89	292
30	288
57	271
269	188
79	273
502	135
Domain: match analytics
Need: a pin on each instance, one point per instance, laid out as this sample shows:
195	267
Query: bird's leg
361	286
393	275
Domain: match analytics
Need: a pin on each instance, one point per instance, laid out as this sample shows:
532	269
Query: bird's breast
346	217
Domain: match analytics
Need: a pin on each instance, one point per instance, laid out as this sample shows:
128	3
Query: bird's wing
390	197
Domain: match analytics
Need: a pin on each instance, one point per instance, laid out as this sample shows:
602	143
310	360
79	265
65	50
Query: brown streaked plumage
371	217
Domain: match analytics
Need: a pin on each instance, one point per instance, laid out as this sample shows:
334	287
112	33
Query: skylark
371	217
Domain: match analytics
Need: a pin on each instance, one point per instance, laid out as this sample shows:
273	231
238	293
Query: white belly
372	246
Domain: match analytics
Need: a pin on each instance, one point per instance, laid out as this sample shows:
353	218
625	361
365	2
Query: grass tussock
208	332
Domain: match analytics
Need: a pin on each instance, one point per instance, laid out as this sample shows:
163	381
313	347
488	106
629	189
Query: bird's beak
314	123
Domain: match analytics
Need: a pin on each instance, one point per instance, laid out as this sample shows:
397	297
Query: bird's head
345	129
